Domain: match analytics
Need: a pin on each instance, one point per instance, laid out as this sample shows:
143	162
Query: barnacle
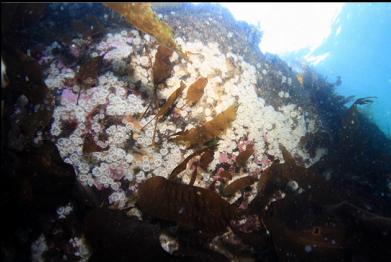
209	130
187	205
144	18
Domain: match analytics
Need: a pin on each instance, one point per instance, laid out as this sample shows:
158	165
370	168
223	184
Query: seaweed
88	73
162	68
31	68
207	157
196	90
166	107
226	175
35	121
300	79
89	29
183	164
243	156
46	175
170	101
89	145
238	184
133	121
371	224
144	18
190	206
116	227
193	175
209	130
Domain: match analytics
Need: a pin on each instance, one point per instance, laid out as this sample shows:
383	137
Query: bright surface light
288	27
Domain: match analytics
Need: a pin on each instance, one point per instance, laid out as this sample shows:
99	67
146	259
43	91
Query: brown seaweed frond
89	145
207	157
364	100
169	103
186	205
238	184
162	68
243	156
209	130
166	107
196	91
144	18
88	73
182	166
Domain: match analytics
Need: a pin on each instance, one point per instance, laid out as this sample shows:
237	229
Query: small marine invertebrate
187	205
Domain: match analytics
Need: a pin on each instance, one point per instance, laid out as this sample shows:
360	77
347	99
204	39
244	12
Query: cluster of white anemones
64	211
57	74
118	198
81	248
119	44
38	248
230	80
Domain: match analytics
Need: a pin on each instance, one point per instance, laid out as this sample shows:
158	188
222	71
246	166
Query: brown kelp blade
89	145
243	156
238	184
206	158
364	100
144	18
169	103
89	70
182	166
210	129
162	67
171	100
186	205
88	73
196	90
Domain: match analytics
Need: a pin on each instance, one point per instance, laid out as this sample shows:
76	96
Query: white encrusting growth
128	152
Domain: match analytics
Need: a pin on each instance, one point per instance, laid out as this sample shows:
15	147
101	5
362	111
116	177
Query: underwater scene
181	132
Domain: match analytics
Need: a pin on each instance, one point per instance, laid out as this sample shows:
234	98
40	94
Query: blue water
361	54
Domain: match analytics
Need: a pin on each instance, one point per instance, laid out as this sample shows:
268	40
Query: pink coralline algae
68	96
225	158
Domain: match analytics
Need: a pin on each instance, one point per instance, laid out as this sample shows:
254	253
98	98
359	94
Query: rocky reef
194	142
